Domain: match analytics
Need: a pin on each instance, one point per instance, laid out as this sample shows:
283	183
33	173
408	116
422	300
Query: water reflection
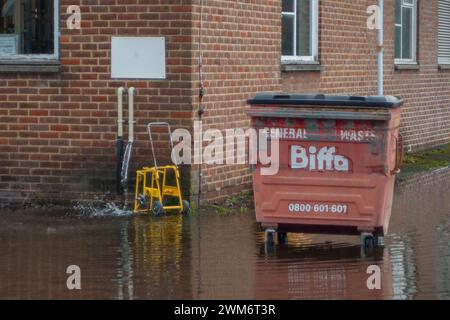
320	271
161	257
403	267
213	256
442	270
418	244
125	257
223	253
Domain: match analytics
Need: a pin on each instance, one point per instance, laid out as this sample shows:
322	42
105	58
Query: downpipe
380	45
127	154
119	141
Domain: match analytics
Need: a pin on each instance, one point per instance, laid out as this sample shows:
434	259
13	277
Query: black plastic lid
325	100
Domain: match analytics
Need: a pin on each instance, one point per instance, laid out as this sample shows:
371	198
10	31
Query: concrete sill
444	67
412	66
50	66
306	67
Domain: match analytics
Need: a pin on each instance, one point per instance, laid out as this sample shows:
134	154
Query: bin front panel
332	172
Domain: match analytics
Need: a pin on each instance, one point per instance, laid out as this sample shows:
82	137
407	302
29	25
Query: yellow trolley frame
149	184
155	190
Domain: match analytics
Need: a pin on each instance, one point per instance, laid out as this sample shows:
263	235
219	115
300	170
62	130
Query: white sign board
8	44
138	58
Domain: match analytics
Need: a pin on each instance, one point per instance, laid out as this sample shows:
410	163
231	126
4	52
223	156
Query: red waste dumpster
338	157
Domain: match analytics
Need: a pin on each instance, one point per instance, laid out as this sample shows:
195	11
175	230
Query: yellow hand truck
153	191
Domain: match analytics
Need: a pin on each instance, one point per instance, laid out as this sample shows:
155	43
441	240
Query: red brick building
58	117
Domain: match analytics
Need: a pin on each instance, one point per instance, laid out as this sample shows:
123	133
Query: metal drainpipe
131	121
119	141
128	149
120	121
380	47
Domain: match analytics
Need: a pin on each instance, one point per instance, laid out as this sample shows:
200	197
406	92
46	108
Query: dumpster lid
299	99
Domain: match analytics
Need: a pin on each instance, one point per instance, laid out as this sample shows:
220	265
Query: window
444	32
299	27
29	29
405	31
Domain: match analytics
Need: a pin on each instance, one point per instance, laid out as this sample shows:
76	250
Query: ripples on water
211	256
89	210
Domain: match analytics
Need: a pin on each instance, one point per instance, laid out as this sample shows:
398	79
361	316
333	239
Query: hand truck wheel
158	208
141	200
186	207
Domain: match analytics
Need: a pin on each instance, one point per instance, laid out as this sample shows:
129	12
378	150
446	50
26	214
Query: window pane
304	28
26	28
288	6
398	11
407	33
398	42
287	28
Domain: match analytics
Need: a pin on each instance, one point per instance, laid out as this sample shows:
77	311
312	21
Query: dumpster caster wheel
158	208
282	238
269	249
268	236
379	241
368	241
186	207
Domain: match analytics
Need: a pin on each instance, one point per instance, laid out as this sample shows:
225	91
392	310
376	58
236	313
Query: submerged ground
222	255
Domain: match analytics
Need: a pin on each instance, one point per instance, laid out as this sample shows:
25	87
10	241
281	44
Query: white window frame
409	4
41	57
314	18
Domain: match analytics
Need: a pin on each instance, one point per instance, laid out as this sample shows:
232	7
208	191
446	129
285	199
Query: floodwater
214	256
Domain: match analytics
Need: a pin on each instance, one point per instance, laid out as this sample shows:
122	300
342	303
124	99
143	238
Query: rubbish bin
338	157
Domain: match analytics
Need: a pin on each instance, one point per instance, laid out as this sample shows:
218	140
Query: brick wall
348	56
241	57
57	132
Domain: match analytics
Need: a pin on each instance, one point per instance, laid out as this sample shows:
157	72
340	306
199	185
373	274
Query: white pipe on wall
120	121
131	121
380	45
